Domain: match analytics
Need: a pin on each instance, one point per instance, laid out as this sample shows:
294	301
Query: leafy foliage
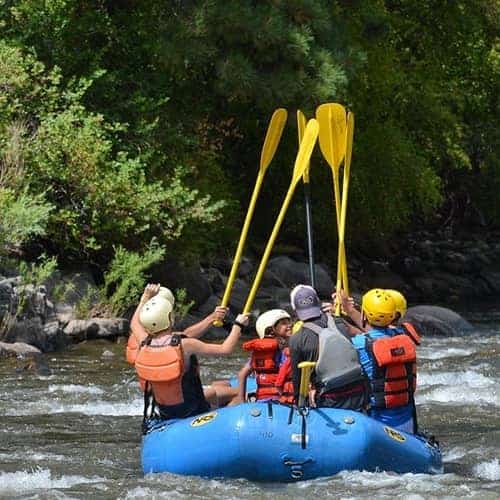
125	278
101	196
143	120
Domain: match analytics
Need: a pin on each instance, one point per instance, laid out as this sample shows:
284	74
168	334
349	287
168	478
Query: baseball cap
305	302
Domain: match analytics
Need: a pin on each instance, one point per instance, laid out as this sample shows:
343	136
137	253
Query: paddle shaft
310	245
305	368
301	162
273	136
301	125
243	236
267	251
343	211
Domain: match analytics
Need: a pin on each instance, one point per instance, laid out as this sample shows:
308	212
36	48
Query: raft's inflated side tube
265	442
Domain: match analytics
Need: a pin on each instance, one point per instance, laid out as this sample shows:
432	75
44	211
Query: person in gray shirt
342	384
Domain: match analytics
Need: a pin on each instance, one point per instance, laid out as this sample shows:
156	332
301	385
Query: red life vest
284	379
162	367
263	354
395	368
273	381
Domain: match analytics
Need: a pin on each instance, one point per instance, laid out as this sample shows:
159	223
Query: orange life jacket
395	368
273	381
161	367
133	344
410	330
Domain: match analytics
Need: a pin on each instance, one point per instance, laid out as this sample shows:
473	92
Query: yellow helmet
379	307
399	300
269	319
156	314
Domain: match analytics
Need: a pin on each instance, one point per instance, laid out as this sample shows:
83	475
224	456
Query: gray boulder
17	349
291	273
96	328
435	320
47	337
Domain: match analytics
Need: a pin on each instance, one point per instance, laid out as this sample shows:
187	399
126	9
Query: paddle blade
332	130
301	127
301	124
305	150
273	136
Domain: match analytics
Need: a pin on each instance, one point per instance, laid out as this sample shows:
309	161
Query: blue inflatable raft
273	442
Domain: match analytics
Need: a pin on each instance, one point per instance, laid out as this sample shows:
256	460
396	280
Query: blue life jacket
388	358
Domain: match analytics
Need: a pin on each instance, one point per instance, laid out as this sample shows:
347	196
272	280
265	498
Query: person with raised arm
166	362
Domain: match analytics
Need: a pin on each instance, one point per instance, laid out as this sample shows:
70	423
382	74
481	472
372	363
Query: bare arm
198	329
349	309
149	292
195	346
242	382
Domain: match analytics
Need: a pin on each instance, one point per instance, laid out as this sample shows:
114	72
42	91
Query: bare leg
225	383
219	394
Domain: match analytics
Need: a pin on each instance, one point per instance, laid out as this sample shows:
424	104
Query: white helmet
269	319
156	314
167	294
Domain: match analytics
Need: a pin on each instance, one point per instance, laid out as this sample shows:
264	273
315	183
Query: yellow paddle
301	125
301	162
273	136
332	140
343	210
305	377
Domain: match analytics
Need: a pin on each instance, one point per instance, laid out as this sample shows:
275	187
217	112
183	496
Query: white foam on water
141	492
488	470
462	395
453	454
33	456
451	352
40	479
91	408
469	378
387	484
75	389
469	387
388	480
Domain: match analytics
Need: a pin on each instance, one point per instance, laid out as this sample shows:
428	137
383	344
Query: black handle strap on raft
291	463
296	470
270	410
303	433
149	407
303	412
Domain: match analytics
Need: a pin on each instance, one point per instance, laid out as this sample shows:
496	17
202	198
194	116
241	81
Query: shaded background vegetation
132	124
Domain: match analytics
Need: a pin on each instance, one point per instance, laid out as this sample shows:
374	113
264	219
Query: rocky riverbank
430	268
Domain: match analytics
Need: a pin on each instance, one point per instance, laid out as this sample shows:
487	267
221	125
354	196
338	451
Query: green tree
130	106
100	194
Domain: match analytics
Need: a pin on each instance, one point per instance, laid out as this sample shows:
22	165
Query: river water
76	432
